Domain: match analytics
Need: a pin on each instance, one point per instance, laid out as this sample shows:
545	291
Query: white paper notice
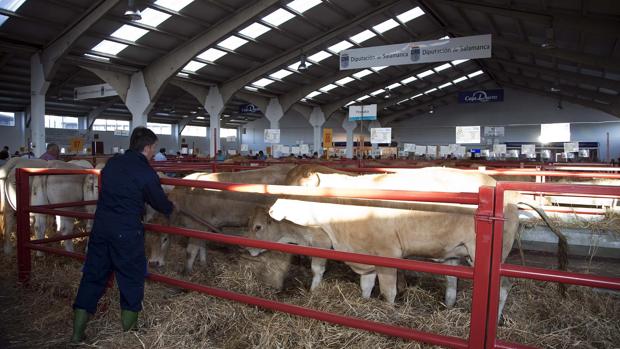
468	134
232	152
295	150
528	149
304	149
571	147
409	147
431	150
559	132
444	150
499	148
381	135
272	135
420	150
285	150
244	147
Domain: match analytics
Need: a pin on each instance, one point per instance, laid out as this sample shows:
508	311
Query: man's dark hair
162	150
51	146
140	138
4	154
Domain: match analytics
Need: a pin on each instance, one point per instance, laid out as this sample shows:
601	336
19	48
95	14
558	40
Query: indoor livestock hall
316	174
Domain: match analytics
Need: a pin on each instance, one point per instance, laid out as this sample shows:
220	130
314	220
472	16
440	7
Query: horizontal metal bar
54	250
427	267
59	171
558	189
371	326
62	213
68	204
541	274
59	238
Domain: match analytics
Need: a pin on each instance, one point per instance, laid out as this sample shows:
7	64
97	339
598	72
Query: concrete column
317	119
214	105
175	139
274	113
138	100
349	126
38	89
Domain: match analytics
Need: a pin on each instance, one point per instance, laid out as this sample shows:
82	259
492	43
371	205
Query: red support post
24	260
482	267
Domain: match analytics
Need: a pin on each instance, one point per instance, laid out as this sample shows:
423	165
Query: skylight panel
262	82
255	30
302	6
361	74
425	74
341	46
377	92
313	94
402	101
280	74
394	85
408	80
232	42
99	58
328	87
462	78
378	69
385	26
344	80
11	5
363	36
444	37
194	66
416	96
429	91
319	56
183	75
409	15
174	5
476	73
444	85
250	88
129	33
109	47
348	104
295	66
363	98
153	17
212	55
278	17
442	67
459	61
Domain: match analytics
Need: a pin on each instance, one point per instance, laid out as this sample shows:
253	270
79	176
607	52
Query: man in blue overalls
116	243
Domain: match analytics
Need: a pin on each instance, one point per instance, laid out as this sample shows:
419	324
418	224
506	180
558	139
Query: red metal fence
488	219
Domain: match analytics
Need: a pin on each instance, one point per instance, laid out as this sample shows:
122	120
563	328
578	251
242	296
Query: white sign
295	150
420	150
363	112
381	135
494	131
285	150
499	149
431	150
461	151
272	135
444	150
410	148
94	91
245	147
528	149
468	134
231	139
572	147
232	152
558	132
124	133
452	148
467	47
304	149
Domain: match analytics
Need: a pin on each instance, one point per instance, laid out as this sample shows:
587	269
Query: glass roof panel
255	30
394	85
109	47
363	36
153	17
344	80
174	5
302	6
385	26
444	85
409	15
379	91
431	90
462	78
476	73
278	17
212	55
194	66
129	32
442	67
425	73
262	82
361	74
341	46
11	5
409	79
232	42
313	94
328	87
280	74
319	56
363	98
459	61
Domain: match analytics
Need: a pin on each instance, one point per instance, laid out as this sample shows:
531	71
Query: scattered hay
40	316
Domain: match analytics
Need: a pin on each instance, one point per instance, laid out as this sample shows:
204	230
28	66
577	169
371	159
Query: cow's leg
451	285
65	227
40	225
191	252
318	269
367	283
387	283
203	254
9	224
503	295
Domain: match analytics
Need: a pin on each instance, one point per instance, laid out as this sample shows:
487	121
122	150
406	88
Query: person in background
261	156
161	156
116	242
52	153
220	156
16	154
6	148
4	157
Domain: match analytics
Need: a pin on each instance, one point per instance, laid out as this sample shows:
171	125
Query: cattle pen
485	273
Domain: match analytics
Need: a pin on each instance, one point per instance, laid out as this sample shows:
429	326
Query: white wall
521	114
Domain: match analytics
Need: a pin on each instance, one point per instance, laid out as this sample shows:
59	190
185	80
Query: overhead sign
328	137
381	135
248	108
272	135
557	132
124	133
467	47
481	96
468	134
572	147
491	131
94	91
363	112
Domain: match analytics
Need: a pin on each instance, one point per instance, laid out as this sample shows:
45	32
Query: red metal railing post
482	267
24	262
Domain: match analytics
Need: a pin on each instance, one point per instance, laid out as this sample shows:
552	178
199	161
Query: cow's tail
562	242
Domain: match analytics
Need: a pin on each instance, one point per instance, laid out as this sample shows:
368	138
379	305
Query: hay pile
40	316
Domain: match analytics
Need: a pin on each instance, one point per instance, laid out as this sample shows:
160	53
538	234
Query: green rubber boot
80	318
129	319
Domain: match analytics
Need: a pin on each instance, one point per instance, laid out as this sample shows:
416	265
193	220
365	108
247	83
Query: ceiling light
388	94
425	74
302	63
476	73
344	80
554	89
385	26
431	109
319	56
361	74
132	12
408	80
442	67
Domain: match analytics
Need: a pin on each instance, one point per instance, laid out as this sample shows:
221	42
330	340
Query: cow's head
259	227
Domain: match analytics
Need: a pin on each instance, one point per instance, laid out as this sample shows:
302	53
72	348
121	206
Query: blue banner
481	96
248	108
